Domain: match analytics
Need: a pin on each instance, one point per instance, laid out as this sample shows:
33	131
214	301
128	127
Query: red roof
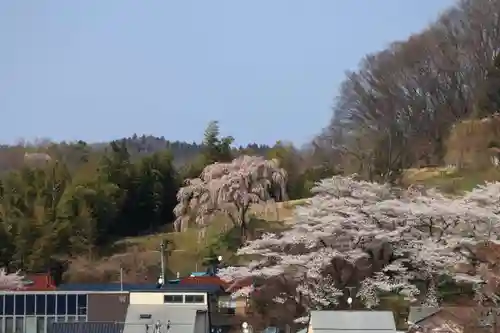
207	280
38	282
214	280
241	283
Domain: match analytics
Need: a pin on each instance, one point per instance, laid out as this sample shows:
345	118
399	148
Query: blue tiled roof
104	287
138	287
85	327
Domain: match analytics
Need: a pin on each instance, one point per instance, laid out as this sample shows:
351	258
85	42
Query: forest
73	205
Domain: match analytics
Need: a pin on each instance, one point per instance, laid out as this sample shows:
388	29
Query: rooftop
38	282
110	287
353	321
85	327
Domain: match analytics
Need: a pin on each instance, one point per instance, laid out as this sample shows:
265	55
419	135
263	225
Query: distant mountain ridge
183	152
12	156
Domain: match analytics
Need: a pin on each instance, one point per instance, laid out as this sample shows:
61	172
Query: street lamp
349	299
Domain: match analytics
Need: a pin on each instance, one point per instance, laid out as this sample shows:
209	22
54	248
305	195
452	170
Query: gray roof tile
353	331
419	313
85	327
374	321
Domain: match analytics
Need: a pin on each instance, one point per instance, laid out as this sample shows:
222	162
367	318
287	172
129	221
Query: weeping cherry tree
230	189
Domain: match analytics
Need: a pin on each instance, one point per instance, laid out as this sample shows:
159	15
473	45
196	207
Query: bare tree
396	110
230	189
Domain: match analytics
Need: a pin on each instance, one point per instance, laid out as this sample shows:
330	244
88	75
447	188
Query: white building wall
158	298
146	298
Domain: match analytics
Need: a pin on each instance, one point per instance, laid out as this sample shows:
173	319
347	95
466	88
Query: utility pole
162	262
121	278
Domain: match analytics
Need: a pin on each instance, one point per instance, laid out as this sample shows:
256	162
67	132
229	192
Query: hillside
185	252
88	206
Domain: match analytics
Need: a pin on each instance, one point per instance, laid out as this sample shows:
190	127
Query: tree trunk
243	225
243	232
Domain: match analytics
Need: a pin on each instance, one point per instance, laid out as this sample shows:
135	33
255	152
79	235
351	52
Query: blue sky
266	69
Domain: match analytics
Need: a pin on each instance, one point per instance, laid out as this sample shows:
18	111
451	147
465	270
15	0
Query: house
229	309
161	311
233	303
351	322
110	308
38	282
454	319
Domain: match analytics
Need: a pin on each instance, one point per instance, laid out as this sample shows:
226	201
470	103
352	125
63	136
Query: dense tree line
397	109
49	212
79	198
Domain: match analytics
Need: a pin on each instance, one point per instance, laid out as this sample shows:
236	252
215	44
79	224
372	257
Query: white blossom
10	281
229	189
377	238
302	320
243	292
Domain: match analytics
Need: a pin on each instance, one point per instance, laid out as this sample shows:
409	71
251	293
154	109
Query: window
72	304
9	305
9	324
30	324
61	304
82	304
172	299
194	298
40	324
19	304
20	323
40	304
30	305
51	305
50	321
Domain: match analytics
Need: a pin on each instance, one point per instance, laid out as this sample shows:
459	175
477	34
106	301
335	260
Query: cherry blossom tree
10	281
374	239
230	189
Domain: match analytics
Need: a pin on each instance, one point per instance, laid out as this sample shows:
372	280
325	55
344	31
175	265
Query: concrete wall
201	324
107	307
